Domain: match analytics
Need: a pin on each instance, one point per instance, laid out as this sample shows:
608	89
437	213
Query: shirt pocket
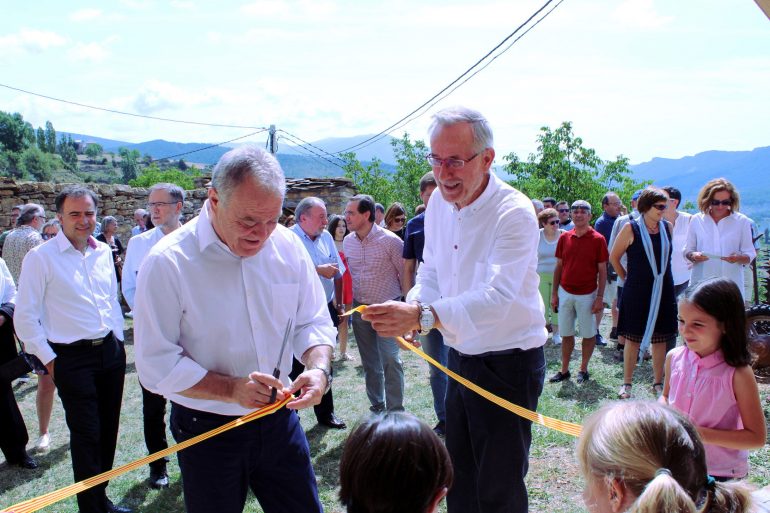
285	302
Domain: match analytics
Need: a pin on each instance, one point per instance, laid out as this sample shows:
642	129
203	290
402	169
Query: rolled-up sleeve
162	364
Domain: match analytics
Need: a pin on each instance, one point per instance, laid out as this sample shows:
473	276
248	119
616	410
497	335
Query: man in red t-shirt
578	287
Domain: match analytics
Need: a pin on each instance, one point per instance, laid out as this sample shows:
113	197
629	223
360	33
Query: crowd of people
233	311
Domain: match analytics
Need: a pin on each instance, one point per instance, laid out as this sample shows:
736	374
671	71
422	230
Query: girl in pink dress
709	379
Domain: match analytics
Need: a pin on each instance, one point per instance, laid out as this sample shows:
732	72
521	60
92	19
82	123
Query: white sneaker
556	339
43	442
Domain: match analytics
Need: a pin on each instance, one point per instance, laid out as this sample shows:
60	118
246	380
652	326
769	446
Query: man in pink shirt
376	266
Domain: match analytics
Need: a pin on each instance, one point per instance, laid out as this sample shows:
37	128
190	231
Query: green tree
129	163
153	174
37	163
371	179
15	133
50	137
41	139
411	165
66	148
93	150
182	165
11	164
564	168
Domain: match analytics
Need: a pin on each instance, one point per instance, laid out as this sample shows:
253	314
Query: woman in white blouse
546	262
719	240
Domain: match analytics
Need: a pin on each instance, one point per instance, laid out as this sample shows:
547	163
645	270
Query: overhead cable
210	146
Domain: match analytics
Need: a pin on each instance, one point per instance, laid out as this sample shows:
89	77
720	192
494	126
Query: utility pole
272	145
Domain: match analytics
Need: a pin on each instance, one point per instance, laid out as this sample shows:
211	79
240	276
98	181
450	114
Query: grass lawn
553	481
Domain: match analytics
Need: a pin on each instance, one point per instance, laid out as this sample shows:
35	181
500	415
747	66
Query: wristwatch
427	319
328	374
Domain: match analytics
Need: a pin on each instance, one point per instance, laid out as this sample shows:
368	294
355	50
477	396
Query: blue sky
642	78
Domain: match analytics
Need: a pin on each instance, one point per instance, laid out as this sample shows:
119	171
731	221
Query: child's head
721	300
646	457
394	463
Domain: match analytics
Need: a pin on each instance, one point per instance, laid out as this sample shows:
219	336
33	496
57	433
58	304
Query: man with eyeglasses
478	285
611	205
165	205
565	221
25	237
579	280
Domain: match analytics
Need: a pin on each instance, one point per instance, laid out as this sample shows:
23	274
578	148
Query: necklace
652	230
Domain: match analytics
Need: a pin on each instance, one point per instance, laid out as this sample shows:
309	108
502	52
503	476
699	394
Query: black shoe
377	409
583	376
559	376
114	508
600	340
440	429
333	422
614	334
158	479
26	463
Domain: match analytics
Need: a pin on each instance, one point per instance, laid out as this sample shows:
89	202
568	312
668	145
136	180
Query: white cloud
86	14
155	96
30	41
266	8
290	9
89	52
640	14
184	5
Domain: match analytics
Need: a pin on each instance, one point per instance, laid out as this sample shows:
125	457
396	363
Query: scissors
277	370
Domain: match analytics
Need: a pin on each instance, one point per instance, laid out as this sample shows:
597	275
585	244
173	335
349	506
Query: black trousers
154	413
90	385
489	445
13	431
325	408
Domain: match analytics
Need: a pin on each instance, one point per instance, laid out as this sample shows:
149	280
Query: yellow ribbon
569	428
50	498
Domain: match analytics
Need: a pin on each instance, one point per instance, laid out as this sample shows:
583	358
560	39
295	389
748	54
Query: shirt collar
63	243
707	362
493	185
574	234
376	229
205	230
299	231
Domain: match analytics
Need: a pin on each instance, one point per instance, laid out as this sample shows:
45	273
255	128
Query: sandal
625	391
657	389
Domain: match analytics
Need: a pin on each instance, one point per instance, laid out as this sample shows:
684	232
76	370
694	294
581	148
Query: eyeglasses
726	203
160	203
400	219
47	236
563	210
554	222
450	162
660	207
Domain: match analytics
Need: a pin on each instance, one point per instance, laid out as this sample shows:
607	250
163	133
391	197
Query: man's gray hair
482	132
28	213
142	212
106	221
235	166
305	205
174	191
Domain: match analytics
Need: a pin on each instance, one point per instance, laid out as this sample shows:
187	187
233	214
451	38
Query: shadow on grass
167	499
587	394
15	476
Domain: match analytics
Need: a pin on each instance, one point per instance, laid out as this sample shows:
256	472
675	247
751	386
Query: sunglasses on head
659	207
726	203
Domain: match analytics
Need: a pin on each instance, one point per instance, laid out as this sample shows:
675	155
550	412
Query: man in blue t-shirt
433	343
611	205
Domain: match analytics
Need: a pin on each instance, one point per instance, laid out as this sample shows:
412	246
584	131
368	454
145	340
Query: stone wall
120	201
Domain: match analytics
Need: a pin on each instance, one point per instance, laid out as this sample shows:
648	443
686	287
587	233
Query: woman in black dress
109	237
647	310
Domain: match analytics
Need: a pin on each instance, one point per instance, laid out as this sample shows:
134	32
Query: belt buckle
97	342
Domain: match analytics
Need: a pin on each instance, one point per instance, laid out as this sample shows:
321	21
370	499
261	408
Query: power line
210	146
317	155
186	122
472	75
311	144
456	80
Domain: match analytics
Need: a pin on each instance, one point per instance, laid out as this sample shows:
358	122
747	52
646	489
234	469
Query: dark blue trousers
269	455
489	445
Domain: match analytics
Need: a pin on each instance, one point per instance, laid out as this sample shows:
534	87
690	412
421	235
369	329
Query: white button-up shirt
65	296
7	285
201	308
731	235
480	271
138	247
680	266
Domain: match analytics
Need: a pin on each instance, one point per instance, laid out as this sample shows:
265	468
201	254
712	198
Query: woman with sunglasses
546	263
647	311
719	241
395	219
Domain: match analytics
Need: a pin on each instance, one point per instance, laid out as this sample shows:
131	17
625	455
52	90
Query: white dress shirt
731	235
7	286
138	247
65	296
480	271
200	308
680	266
